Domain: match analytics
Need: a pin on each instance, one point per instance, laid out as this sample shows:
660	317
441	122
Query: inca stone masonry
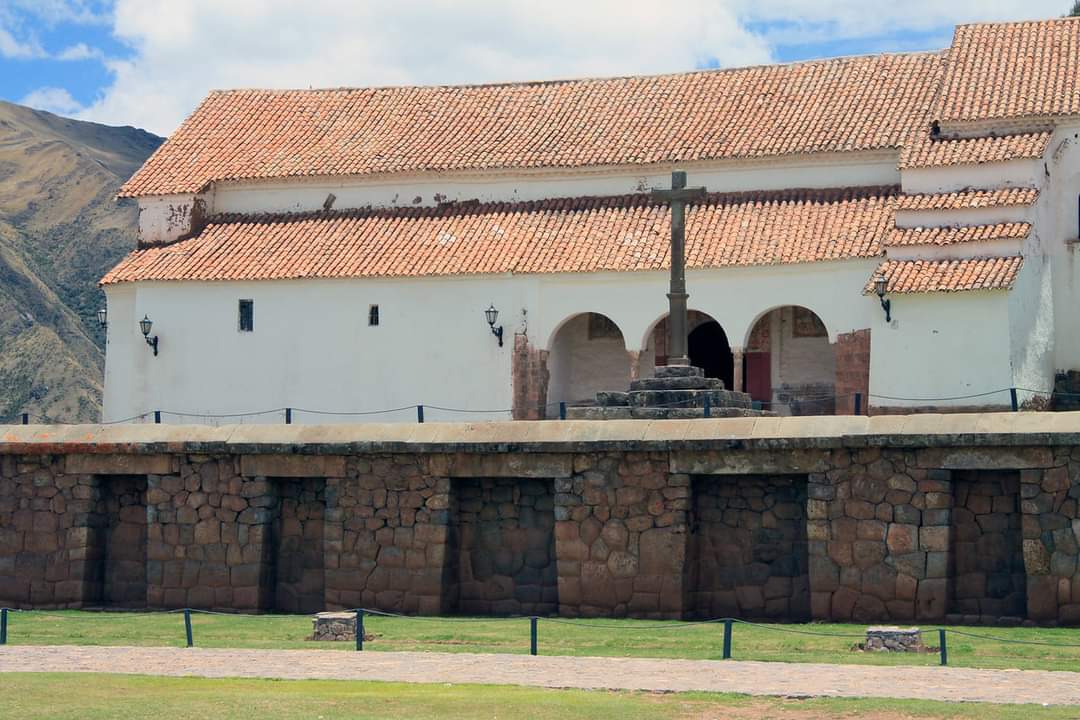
960	518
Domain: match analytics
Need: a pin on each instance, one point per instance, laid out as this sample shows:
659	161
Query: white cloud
183	49
15	49
80	51
52	99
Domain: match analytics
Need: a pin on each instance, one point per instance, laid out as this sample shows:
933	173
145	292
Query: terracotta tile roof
923	151
926	276
621	233
837	105
954	235
968	199
1012	70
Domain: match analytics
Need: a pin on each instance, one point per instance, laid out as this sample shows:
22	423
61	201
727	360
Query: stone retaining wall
961	518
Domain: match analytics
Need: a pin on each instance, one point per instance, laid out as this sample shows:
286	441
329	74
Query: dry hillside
60	230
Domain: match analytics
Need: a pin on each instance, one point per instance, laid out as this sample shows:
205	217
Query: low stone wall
965	518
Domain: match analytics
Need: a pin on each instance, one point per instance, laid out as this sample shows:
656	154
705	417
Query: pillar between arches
737	359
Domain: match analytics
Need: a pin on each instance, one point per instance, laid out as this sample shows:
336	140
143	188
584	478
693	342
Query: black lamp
103	318
145	325
492	315
881	286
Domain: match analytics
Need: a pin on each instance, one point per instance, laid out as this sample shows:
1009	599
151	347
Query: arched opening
789	364
707	345
587	355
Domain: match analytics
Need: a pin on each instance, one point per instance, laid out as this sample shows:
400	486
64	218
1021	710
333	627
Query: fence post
288	416
187	627
26	418
708	406
359	630
419	413
562	409
858	403
157	417
944	647
727	638
532	634
1012	397
3	626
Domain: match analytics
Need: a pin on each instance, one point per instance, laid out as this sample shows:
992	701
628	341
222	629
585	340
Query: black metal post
419	413
288	416
157	417
3	626
858	403
944	647
359	630
562	410
1012	397
727	638
708	406
187	627
26	418
532	634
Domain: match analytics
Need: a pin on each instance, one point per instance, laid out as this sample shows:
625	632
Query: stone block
934	538
292	466
108	464
932	599
902	538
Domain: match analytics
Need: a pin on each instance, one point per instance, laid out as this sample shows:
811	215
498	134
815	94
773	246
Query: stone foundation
845	518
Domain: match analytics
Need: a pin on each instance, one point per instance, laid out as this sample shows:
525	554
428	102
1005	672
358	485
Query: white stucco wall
1057	220
164	218
1015	173
942	345
311	347
298	195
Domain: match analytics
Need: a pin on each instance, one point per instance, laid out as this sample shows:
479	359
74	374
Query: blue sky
148	62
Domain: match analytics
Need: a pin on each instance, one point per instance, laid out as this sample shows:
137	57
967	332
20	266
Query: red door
759	376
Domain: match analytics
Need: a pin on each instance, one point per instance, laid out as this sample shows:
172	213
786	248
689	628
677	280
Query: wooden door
759	376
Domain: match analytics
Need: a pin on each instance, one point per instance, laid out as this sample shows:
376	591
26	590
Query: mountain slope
60	230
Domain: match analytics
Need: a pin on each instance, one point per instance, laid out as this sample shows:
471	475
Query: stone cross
677	197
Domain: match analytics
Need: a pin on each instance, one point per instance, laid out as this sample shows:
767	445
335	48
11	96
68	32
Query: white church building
334	251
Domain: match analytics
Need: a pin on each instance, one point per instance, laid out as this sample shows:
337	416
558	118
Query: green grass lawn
88	697
593	637
622	638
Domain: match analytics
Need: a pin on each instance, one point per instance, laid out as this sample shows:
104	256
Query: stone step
689	398
670	371
646	413
612	399
692	382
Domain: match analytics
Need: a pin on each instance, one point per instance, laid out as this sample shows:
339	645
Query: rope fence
727	642
1014	397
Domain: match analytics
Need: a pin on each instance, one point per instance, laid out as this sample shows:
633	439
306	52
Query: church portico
587	355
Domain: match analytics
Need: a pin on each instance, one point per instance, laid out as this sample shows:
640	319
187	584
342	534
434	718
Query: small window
247	315
373	315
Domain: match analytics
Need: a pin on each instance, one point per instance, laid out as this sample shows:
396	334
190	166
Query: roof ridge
1013	23
850	192
586	78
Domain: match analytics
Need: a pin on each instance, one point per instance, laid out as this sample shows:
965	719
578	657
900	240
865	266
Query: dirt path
752	678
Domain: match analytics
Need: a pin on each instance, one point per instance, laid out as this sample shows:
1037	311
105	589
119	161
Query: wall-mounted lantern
492	316
145	325
881	286
103	318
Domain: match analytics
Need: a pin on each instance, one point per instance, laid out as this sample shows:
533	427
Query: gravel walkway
752	678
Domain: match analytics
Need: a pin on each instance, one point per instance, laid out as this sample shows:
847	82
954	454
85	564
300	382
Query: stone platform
677	392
